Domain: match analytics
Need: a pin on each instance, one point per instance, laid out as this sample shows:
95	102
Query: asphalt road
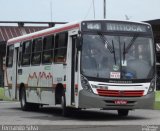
50	119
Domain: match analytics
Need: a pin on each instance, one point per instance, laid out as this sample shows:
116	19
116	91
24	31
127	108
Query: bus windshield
117	57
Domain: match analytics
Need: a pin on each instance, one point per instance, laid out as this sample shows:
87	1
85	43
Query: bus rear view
117	66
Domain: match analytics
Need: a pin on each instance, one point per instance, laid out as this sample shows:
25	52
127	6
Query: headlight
152	86
100	87
85	84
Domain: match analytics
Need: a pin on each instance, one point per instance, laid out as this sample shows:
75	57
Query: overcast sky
72	10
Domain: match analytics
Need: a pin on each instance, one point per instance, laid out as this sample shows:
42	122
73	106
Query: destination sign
126	27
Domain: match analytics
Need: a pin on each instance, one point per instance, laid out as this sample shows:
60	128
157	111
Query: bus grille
119	93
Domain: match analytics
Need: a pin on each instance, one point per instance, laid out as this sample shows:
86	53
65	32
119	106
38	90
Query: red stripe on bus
124	93
76	86
43	34
64	85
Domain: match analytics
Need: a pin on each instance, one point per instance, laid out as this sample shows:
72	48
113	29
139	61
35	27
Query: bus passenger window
48	44
36	51
61	48
9	61
26	53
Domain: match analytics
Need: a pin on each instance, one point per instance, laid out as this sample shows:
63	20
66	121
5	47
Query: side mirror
79	43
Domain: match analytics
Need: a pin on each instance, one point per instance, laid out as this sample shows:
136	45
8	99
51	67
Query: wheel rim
23	99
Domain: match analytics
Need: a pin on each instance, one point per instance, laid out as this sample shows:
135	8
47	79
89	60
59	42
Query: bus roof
129	21
58	29
44	32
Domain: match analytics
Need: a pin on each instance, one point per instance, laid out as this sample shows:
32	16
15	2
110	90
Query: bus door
14	71
73	69
71	75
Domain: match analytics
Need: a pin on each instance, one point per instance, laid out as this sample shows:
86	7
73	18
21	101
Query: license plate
120	102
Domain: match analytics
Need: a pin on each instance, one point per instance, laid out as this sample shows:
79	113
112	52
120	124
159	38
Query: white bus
88	64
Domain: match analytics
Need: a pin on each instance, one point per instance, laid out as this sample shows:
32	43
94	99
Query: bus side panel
47	91
32	92
43	81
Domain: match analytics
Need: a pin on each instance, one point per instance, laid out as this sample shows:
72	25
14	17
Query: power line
88	10
51	9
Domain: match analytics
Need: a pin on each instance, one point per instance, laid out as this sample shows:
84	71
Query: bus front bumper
90	100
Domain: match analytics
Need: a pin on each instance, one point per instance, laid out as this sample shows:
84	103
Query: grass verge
1	93
157	100
2	96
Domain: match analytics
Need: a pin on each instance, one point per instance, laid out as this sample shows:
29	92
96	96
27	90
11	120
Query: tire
123	112
65	110
24	104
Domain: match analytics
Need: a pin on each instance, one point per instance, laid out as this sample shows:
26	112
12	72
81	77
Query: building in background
13	29
156	32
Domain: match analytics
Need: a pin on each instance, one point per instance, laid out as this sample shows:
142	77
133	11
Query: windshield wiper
114	52
105	41
131	43
126	49
109	47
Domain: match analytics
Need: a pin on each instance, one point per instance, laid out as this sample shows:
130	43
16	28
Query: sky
73	10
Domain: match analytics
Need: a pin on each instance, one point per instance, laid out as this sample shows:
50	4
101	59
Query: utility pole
104	3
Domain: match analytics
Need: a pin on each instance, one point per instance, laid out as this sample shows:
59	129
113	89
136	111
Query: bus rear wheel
24	104
123	112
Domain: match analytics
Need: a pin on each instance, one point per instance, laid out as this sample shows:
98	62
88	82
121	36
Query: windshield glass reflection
117	57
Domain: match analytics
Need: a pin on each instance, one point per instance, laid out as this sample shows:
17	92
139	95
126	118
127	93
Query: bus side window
48	43
26	53
60	47
9	60
36	51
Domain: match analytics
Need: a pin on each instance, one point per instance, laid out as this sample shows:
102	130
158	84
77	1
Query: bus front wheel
24	104
65	110
123	112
